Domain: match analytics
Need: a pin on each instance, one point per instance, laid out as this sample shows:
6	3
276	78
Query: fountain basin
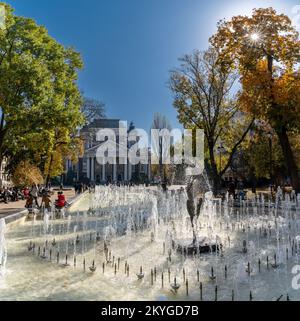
130	218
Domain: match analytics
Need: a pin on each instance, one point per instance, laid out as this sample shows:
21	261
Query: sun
255	36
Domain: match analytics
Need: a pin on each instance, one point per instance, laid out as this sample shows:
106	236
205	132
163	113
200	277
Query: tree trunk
281	132
49	170
214	171
216	184
289	158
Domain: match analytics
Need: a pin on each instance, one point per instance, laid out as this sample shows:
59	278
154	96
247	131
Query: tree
93	109
27	174
160	123
260	155
203	99
266	50
39	98
62	146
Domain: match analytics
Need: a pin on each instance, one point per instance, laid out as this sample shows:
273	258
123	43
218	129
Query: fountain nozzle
98	238
275	265
93	267
141	274
30	247
175	286
43	256
66	261
212	275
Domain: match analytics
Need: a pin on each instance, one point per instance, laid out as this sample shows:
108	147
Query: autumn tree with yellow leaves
27	174
265	50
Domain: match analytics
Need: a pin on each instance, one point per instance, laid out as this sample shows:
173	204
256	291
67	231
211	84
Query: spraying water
3	249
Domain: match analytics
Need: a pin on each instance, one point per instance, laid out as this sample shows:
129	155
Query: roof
102	123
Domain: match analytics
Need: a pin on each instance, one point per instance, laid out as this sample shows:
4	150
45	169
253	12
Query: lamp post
271	160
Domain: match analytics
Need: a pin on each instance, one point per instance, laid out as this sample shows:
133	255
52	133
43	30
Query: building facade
88	168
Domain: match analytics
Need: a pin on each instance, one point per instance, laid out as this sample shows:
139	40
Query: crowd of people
36	196
236	189
11	194
32	197
79	187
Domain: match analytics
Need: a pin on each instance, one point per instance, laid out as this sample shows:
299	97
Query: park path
15	207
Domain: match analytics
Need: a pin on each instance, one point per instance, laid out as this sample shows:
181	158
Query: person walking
35	194
231	188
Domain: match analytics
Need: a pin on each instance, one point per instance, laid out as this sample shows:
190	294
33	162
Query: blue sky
129	46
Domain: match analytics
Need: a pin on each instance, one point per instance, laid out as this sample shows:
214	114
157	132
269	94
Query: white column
93	168
88	167
103	173
149	171
129	171
125	172
114	172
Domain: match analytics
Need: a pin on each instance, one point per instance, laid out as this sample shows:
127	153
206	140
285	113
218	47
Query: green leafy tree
39	98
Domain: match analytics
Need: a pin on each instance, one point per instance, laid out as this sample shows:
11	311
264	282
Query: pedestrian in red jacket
61	200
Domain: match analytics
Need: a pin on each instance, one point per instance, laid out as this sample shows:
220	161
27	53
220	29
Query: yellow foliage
27	174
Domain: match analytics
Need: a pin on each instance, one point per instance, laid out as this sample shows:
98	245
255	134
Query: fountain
3	249
193	205
151	243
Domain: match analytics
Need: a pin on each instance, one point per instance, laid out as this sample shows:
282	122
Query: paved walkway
15	207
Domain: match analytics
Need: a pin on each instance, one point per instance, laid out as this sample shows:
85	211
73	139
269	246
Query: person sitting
6	194
15	194
26	192
29	202
46	200
3	196
61	200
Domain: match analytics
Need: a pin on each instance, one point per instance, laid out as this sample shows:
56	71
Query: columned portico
92	168
103	173
88	169
114	172
149	171
129	171
125	172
